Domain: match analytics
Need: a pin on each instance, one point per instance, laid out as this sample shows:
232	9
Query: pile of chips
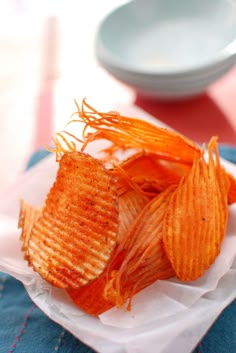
108	230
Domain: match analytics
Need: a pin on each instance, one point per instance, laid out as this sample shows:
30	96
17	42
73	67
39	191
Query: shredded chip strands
130	204
144	260
128	133
195	222
72	242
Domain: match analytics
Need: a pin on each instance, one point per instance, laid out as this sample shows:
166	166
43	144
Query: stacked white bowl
166	48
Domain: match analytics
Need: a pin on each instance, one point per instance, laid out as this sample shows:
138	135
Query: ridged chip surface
71	243
144	260
28	216
131	204
195	221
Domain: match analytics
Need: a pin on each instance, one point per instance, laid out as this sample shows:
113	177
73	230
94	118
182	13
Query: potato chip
149	172
72	242
90	298
195	221
130	204
232	190
28	216
223	182
144	259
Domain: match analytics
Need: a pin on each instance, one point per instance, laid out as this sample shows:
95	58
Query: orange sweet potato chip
72	241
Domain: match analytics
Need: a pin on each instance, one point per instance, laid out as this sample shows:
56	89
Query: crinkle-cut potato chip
90	298
28	216
144	261
223	182
196	218
72	241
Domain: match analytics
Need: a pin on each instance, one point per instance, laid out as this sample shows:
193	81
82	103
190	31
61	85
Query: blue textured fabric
24	328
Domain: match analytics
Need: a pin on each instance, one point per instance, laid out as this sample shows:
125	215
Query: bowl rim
209	68
155	85
130	78
106	57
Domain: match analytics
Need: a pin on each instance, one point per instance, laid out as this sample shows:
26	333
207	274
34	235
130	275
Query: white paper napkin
166	317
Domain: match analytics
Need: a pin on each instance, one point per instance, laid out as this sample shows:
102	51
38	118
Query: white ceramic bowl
167	48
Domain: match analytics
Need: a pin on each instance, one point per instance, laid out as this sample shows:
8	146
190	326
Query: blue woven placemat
24	328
